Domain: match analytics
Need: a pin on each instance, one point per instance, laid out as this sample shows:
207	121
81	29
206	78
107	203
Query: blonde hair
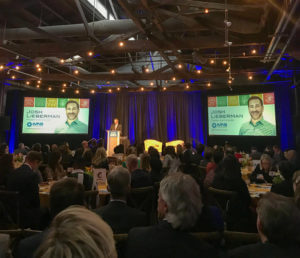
100	156
78	232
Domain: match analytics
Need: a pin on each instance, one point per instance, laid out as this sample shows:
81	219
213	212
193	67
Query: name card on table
99	175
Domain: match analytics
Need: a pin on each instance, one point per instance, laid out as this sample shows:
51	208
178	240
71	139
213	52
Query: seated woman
171	162
54	170
264	172
100	159
228	177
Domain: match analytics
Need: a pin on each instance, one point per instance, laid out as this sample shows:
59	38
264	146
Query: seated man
117	214
278	225
264	172
25	181
139	177
179	205
63	194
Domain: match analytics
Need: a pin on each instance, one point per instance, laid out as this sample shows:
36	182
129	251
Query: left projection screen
55	115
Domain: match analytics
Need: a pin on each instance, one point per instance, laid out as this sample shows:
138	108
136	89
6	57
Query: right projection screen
242	115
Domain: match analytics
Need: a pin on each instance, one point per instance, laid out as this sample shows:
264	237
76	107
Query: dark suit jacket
140	178
162	241
266	250
28	246
25	181
284	188
119	128
121	217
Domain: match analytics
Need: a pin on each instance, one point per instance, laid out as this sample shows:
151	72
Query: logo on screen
219	125
36	124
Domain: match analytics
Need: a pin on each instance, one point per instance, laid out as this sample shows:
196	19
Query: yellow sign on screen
51	102
233	100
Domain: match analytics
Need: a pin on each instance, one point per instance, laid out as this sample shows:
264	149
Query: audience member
286	186
190	156
45	153
208	154
66	155
255	154
145	162
37	147
54	169
81	176
6	168
78	232
278	154
264	172
179	205
4	149
100	159
117	213
119	152
296	187
211	167
139	177
25	181
200	149
21	149
228	177
155	164
278	225
171	162
63	194
293	157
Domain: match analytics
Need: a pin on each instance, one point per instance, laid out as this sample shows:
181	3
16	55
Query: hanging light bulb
92	91
250	77
77	91
208	84
27	82
118	89
164	88
49	88
109	90
76	71
212	61
63	90
113	71
121	44
90	53
206	11
62	61
198	71
151	83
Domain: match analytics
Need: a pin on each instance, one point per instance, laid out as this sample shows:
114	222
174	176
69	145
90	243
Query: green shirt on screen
261	128
75	127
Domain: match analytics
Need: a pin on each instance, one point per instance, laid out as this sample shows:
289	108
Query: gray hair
280	219
131	161
266	157
182	196
118	182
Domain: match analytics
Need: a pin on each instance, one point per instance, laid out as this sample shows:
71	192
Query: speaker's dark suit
113	128
121	217
25	181
162	241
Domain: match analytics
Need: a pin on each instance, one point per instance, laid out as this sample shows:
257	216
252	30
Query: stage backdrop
163	116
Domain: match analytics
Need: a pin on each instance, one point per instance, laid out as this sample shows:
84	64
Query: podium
113	139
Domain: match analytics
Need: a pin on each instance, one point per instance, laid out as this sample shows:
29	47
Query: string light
250	77
38	86
39	69
206	11
76	71
147	70
121	44
229	81
198	71
38	82
64	85
77	91
28	82
179	66
1	67
187	86
142	89
118	89
13	77
164	88
151	83
208	84
113	71
17	67
109	90
49	88
62	61
224	62
212	61
174	78
37	65
63	90
90	53
92	91
253	51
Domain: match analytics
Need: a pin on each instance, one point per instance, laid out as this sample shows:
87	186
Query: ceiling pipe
285	18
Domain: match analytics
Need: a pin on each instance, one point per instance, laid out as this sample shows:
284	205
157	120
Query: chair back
222	199
10	201
236	239
213	238
112	160
142	198
91	199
